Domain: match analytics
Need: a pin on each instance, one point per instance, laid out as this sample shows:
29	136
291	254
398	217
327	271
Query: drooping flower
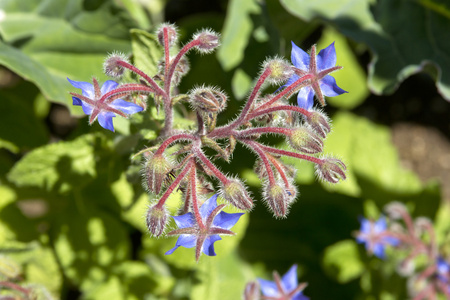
443	271
284	288
375	236
319	67
214	222
92	104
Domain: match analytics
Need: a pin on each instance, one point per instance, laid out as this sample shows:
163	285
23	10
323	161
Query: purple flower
319	67
375	236
92	103
443	271
284	288
203	236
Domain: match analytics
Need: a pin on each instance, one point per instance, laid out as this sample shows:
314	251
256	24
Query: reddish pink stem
199	154
174	184
172	139
150	80
257	147
293	154
195	206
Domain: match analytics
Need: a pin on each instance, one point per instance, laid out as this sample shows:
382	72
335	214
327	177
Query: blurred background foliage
71	202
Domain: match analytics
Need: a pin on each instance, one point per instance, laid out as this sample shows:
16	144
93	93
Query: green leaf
222	278
38	263
236	32
146	50
405	37
341	261
369	154
89	243
45	42
60	166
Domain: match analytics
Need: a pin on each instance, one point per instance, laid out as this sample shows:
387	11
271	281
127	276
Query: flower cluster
417	238
282	288
189	168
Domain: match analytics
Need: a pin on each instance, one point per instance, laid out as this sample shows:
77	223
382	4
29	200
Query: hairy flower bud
276	199
319	122
111	66
236	194
305	140
156	220
209	40
280	70
172	34
331	169
156	170
396	210
208	99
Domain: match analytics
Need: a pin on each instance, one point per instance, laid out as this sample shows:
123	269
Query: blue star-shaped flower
375	236
214	222
319	67
103	111
284	288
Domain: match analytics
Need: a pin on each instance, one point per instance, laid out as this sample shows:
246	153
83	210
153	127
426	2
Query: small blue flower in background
375	236
286	287
319	66
443	271
104	112
215	222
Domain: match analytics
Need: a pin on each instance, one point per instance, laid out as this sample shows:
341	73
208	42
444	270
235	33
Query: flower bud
156	170
172	34
396	210
111	66
156	220
280	70
209	40
208	99
251	291
276	199
305	140
331	170
319	122
236	194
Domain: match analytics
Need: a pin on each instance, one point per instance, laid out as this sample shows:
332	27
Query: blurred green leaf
89	243
60	166
341	261
38	263
45	42
236	32
369	154
405	37
222	278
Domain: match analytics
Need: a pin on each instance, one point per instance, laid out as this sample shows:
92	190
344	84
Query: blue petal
289	279
378	250
105	120
329	87
225	220
299	58
300	296
184	221
108	86
87	108
380	225
208	244
185	240
208	206
366	225
326	58
305	98
268	288
125	106
391	240
87	89
76	101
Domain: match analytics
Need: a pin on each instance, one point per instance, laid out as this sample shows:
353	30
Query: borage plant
189	168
